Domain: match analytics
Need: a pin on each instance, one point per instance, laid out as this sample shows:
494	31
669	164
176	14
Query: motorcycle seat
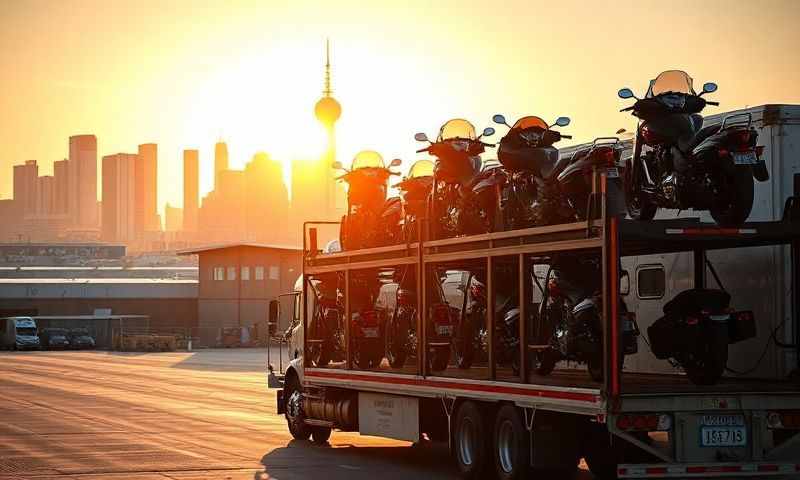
703	134
559	166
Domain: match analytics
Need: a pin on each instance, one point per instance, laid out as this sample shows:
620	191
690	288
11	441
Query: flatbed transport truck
642	419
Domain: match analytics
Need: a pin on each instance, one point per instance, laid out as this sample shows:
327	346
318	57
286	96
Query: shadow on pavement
303	460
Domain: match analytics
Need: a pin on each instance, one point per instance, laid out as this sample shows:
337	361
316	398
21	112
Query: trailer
640	418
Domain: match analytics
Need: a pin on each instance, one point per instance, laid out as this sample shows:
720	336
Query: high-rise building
25	186
119	197
266	200
174	218
61	187
220	161
146	191
82	183
191	182
45	195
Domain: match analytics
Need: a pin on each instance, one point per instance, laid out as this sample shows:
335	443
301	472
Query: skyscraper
26	187
266	200
82	183
61	187
119	197
45	195
146	191
191	181
220	161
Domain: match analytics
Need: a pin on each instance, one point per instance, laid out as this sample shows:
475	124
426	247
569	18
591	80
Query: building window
259	273
273	272
651	281
219	273
231	273
245	273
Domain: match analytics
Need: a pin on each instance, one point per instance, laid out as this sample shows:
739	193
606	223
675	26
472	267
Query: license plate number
723	436
370	332
444	329
612	173
744	158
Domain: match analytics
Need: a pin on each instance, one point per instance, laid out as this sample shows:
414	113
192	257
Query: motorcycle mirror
709	87
624	283
620	131
562	121
395	163
487	132
337	165
421	137
500	120
626	93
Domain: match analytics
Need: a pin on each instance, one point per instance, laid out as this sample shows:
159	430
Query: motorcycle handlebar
492	145
627	109
566	136
423	149
716	104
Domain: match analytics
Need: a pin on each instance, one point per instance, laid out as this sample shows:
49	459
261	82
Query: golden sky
184	73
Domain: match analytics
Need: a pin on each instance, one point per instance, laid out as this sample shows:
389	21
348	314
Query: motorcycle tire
320	353
639	206
438	359
734	199
547	362
367	357
396	345
595	367
707	366
464	346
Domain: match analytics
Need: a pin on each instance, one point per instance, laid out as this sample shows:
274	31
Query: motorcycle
530	194
366	200
326	340
576	179
457	151
678	163
695	331
570	317
405	212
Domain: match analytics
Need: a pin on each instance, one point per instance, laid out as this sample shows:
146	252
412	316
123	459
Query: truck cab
20	333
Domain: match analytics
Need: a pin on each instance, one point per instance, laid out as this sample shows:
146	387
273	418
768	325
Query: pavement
178	415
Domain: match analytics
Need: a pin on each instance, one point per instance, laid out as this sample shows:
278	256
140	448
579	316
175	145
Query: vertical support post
347	320
699	268
490	302
422	302
304	300
610	273
795	271
524	296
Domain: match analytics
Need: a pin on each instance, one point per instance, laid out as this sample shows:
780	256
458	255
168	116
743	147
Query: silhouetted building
191	185
222	215
266	200
82	189
61	187
220	161
45	195
25	186
146	191
173	218
119	173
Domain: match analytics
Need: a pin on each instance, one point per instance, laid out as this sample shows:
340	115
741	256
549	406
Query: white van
19	333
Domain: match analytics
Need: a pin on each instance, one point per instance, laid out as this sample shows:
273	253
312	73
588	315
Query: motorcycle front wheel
706	366
733	196
639	205
397	336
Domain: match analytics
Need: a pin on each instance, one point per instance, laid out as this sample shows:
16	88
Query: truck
19	333
636	414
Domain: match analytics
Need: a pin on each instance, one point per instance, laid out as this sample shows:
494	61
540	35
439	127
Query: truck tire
512	452
470	445
320	435
295	418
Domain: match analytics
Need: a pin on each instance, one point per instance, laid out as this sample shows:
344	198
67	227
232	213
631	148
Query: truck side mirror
625	283
272	322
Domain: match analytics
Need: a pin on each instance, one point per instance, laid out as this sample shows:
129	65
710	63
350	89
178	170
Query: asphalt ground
178	415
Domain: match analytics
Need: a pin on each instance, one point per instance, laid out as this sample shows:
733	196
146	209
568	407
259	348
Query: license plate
723	420
744	158
612	173
444	329
370	332
723	436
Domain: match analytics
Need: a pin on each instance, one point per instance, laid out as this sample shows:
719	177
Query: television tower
327	110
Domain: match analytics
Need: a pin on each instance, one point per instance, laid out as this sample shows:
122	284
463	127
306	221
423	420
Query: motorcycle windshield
675	81
457	128
529	122
421	168
367	159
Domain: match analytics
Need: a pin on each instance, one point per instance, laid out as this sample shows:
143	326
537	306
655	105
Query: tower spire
327	90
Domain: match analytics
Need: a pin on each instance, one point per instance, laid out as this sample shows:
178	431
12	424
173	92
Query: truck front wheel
295	418
470	441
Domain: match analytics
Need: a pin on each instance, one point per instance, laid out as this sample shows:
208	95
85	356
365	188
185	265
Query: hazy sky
182	73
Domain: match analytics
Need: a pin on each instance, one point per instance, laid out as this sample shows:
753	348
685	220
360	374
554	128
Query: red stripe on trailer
719	469
614	298
767	468
510	390
655	470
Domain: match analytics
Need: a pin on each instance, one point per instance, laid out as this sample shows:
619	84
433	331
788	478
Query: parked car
54	338
80	339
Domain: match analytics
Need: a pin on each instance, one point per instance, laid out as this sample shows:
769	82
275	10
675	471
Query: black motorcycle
457	150
366	200
678	163
695	331
325	335
576	181
405	212
529	192
570	318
